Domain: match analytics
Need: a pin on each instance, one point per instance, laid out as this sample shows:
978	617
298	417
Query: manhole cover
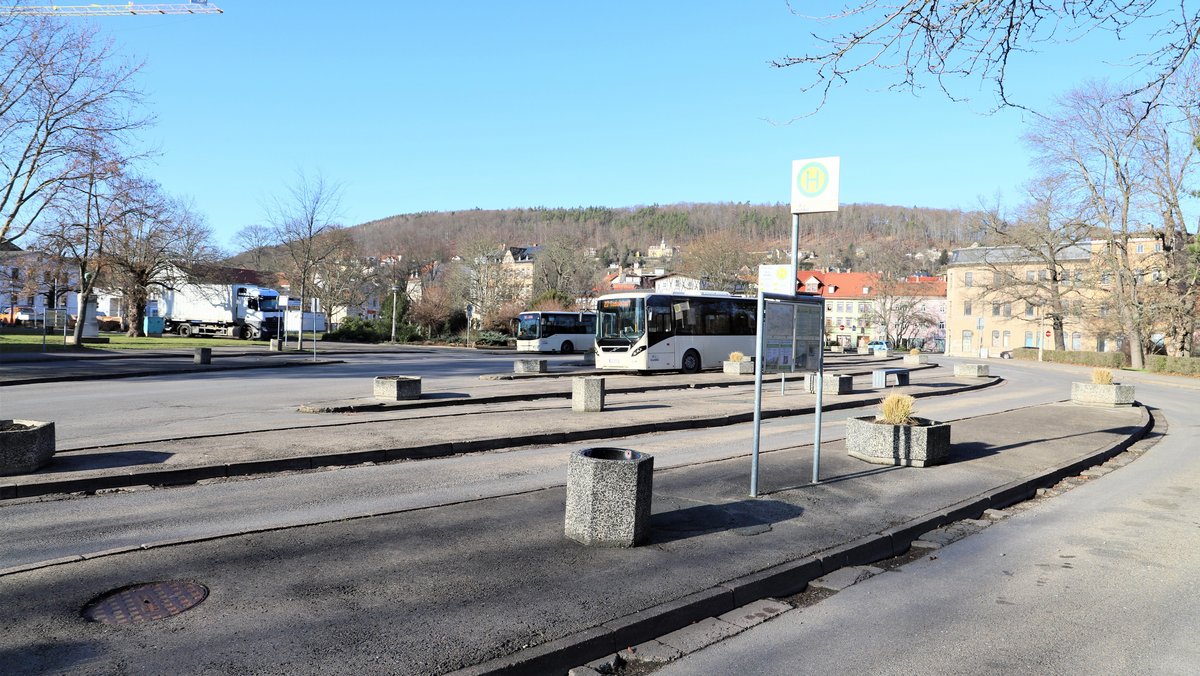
145	602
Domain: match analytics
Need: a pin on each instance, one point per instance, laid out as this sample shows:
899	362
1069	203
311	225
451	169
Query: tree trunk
136	308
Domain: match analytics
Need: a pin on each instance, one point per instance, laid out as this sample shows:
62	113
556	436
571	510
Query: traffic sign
815	184
1047	334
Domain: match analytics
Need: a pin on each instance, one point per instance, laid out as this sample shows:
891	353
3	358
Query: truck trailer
234	310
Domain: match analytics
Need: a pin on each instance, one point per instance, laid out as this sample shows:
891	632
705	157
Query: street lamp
395	290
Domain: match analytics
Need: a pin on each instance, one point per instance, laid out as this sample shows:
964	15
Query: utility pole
395	290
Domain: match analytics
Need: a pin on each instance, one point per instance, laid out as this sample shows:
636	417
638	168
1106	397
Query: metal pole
758	378
1041	335
314	314
820	387
394	290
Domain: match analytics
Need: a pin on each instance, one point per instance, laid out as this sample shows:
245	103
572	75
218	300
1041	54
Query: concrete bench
879	377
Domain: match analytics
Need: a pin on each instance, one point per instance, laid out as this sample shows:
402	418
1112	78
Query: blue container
152	326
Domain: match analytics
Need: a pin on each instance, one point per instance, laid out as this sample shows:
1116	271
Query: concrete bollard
831	383
397	388
971	370
276	345
609	491
203	355
529	366
587	394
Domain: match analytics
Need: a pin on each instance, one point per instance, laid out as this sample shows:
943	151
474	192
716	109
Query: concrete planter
397	388
529	366
915	359
202	355
837	349
922	445
880	352
25	446
971	370
1092	394
864	350
608	496
739	368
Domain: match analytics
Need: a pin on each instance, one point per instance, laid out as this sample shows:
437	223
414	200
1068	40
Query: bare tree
61	90
1042	258
914	39
898	306
480	280
345	279
147	243
300	219
1092	142
718	260
563	270
256	240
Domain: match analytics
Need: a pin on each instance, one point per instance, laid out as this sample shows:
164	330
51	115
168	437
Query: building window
862	307
1029	339
968	339
1104	310
1007	338
995	309
968	279
1158	246
1140	248
1106	278
1030	276
1007	309
995	278
1076	341
1044	275
966	308
995	339
1030	310
841	307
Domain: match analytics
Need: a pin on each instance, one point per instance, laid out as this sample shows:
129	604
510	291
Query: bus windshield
527	327
621	320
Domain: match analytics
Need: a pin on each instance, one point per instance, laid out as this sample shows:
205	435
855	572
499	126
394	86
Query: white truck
233	310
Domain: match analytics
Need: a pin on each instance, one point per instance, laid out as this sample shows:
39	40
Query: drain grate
145	602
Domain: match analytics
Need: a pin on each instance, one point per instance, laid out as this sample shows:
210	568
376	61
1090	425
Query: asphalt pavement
493	585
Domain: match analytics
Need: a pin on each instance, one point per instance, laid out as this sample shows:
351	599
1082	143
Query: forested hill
431	235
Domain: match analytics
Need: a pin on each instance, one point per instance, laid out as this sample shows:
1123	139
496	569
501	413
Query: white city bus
686	331
555	331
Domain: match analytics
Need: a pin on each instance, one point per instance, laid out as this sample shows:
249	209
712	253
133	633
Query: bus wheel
567	347
691	362
185	330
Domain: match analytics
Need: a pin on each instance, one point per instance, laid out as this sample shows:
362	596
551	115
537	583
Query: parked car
879	345
16	315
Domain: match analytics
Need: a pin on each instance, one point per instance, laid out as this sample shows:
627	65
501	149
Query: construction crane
129	8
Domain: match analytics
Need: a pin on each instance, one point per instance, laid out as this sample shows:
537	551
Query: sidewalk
493	586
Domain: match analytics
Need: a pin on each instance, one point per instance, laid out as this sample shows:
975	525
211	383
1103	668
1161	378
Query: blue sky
423	106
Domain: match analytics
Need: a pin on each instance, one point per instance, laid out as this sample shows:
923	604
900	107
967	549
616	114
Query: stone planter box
864	350
202	355
880	352
915	359
837	349
831	383
739	368
908	445
276	345
25	446
1092	394
971	370
608	496
397	388
529	366
587	394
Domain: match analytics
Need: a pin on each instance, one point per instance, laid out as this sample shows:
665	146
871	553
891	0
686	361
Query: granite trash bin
608	496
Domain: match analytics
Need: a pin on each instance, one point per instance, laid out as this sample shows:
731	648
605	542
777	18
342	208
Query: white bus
687	331
555	331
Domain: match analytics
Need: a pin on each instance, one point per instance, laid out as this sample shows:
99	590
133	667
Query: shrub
491	338
1111	360
359	330
736	356
1101	377
897	409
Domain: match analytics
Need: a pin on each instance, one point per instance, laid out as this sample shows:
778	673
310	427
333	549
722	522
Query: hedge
1112	360
1187	366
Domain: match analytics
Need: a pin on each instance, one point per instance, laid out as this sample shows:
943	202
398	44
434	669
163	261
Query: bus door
660	334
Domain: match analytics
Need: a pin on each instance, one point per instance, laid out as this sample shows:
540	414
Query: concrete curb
781	580
504	398
188	369
188	475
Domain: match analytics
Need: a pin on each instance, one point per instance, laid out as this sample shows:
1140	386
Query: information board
792	334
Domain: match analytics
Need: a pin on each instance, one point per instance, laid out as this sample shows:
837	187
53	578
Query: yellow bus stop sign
815	185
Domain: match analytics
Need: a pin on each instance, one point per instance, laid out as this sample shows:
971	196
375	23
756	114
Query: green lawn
30	340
